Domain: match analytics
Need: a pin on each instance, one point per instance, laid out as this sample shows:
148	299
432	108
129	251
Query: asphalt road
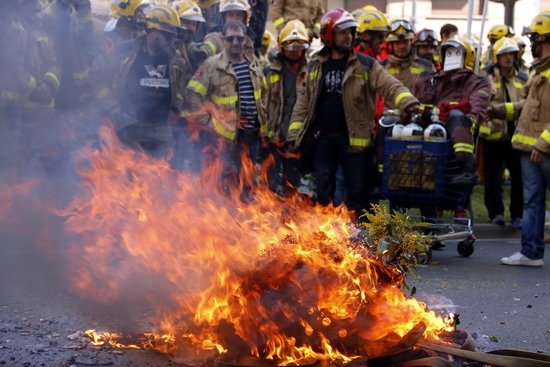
41	320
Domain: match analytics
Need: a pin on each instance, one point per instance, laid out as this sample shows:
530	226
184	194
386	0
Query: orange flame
275	278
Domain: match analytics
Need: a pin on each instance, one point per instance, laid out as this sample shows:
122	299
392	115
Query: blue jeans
536	180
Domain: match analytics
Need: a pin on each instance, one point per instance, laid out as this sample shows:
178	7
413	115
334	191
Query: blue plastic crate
415	170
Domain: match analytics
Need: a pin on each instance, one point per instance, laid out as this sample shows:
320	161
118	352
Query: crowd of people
175	77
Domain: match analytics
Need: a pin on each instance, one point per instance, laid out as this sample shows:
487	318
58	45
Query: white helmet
412	131
435	132
396	131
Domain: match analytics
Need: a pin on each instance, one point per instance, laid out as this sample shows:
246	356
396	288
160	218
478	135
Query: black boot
468	174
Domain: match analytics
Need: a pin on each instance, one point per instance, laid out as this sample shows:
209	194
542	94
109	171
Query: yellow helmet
205	4
124	8
294	31
188	10
373	20
163	18
267	39
498	31
400	29
465	46
357	13
540	24
241	5
504	45
370	8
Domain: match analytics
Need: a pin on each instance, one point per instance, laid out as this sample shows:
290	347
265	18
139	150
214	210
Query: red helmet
335	20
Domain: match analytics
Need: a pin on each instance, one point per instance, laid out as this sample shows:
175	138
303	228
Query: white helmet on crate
396	131
435	132
412	131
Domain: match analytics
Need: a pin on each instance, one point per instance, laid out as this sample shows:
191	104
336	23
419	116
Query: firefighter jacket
533	128
274	98
176	71
454	87
504	90
41	67
406	70
309	12
72	30
212	95
363	78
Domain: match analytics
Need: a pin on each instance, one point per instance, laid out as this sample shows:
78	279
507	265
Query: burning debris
275	279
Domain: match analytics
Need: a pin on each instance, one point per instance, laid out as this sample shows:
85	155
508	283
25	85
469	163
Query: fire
276	278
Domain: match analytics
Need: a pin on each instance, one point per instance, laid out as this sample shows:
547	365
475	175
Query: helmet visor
427	36
294	46
401	23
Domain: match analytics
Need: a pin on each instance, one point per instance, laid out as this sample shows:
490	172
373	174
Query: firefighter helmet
540	24
163	18
294	31
498	31
239	5
336	19
426	37
373	20
400	29
504	45
188	10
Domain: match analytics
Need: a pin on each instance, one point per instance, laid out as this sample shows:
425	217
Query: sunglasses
231	39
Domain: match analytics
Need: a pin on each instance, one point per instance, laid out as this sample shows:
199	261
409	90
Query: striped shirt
247	104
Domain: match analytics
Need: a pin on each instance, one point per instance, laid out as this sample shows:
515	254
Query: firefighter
148	84
309	13
532	139
373	27
224	95
507	82
426	46
403	62
334	115
495	33
285	78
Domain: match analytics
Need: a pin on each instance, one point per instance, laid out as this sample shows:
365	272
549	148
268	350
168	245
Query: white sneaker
521	260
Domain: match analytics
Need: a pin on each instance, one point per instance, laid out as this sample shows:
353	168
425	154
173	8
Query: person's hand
537	156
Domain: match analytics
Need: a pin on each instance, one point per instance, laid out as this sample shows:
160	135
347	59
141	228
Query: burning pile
277	279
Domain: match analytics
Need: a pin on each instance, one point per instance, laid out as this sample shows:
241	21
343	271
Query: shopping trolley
416	175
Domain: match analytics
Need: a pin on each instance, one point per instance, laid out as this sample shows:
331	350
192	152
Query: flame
275	278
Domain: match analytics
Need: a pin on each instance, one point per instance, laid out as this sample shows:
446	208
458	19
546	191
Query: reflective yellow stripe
263	129
546	136
463	147
220	129
296	125
212	46
402	95
274	78
495	136
53	78
498	85
545	73
393	71
523	139
313	74
197	87
364	76
509	107
184	113
426	106
357	142
416	71
380	168
518	85
257	94
485	130
279	21
225	100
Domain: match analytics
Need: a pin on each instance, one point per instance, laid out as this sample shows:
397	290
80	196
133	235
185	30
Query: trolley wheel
466	247
424	258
